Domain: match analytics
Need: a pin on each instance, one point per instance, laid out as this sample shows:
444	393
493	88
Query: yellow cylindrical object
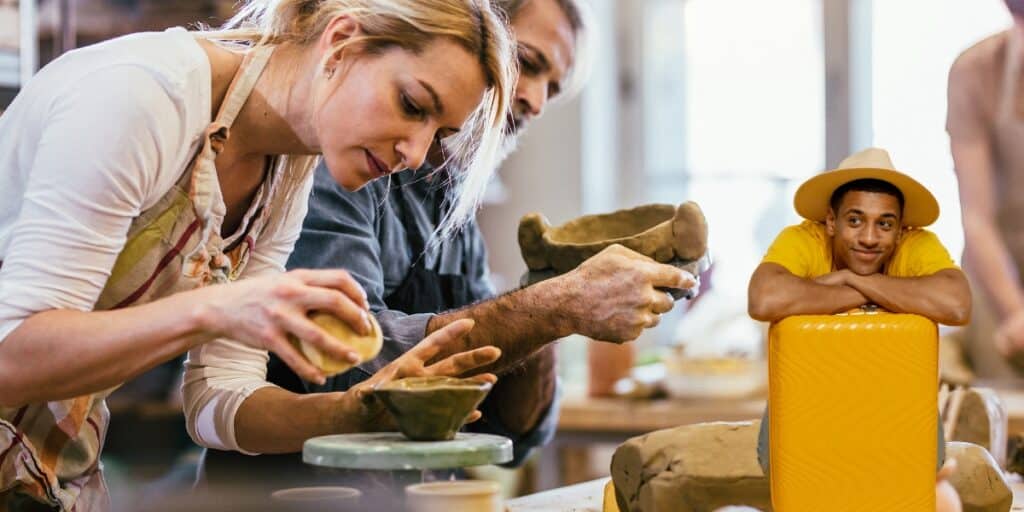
853	413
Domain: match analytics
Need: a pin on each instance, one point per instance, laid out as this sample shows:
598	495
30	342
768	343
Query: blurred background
730	103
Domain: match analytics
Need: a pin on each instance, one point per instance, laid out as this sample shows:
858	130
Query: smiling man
862	243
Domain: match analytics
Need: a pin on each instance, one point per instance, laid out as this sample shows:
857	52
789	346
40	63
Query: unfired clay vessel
662	232
982	420
978	480
431	408
693	468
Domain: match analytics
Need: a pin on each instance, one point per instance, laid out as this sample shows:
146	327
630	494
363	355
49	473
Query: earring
330	73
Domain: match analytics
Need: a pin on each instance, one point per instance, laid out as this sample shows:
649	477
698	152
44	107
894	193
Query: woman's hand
262	311
420	361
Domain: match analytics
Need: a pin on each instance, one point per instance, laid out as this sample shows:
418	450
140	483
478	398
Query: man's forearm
776	294
525	392
274	420
943	297
518	322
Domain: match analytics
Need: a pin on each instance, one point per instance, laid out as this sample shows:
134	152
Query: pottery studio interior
512	255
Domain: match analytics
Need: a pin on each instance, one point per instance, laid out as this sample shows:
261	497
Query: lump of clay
431	408
982	420
978	480
694	468
367	346
660	231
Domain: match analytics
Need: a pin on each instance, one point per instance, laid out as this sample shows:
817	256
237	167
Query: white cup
461	495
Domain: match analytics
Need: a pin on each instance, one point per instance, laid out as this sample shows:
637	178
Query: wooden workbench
587	421
588	497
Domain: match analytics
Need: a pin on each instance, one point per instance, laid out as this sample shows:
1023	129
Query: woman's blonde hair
411	25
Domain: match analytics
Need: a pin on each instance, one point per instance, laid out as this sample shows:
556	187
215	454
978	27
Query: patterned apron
49	452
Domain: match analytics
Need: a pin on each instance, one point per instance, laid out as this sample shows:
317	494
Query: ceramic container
461	495
431	408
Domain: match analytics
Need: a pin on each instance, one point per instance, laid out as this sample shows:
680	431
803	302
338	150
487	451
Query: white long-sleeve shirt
96	138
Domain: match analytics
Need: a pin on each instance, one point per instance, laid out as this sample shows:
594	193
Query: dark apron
423	290
426	290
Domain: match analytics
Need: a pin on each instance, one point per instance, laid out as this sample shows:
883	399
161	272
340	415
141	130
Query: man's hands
837	278
419	362
614	295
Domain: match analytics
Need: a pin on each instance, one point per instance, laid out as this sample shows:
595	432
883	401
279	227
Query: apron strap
242	84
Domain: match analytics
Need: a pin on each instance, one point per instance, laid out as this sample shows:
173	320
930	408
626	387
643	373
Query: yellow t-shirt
805	250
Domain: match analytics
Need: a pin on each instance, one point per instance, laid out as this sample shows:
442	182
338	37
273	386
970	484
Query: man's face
546	49
865	231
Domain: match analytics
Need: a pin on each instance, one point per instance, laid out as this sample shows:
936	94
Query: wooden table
589	496
586	421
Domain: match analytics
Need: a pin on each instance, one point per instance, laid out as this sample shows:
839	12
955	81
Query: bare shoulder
983	56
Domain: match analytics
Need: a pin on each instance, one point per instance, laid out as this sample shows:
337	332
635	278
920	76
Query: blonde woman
137	173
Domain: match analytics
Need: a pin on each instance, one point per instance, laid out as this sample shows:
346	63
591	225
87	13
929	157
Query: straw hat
812	198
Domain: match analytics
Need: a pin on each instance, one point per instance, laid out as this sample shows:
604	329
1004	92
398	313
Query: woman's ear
340	28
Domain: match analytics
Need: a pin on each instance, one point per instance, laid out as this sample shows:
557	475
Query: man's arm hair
775	293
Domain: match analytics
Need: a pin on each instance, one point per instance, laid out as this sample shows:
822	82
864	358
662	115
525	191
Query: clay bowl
662	232
431	408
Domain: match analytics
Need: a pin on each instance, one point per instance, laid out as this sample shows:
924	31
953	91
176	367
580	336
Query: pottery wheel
393	451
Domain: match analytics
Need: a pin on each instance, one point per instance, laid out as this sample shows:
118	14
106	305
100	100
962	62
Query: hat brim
812	198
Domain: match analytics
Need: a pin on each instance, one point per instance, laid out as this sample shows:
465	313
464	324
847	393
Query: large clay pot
662	232
431	408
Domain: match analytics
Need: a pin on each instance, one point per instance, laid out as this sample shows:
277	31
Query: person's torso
173	58
175	245
820	260
997	63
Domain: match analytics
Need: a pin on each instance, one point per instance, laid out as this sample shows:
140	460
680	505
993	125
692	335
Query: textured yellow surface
609	504
853	413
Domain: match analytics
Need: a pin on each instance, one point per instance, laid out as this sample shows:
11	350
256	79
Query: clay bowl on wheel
431	408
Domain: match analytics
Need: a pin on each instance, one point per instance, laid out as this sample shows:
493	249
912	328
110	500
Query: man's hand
837	278
613	296
422	360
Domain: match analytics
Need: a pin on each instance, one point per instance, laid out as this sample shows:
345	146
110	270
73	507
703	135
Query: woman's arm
272	420
88	181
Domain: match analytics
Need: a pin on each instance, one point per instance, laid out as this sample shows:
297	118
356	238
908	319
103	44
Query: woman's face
380	113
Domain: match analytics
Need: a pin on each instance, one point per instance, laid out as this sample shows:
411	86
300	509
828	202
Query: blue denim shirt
362	232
